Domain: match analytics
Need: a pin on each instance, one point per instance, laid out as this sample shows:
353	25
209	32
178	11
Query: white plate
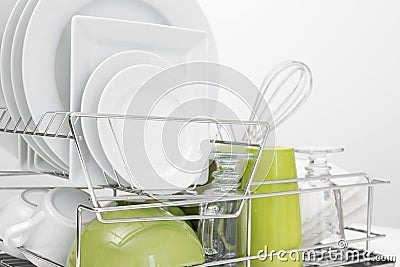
31	161
149	166
6	6
41	165
47	86
115	99
7	141
94	88
5	61
170	161
41	146
95	39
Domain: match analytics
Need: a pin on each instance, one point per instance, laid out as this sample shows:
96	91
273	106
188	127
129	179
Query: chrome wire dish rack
65	125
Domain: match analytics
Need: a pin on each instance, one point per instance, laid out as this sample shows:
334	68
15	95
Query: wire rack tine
106	178
128	171
54	115
61	124
117	178
3	114
40	122
17	125
27	125
73	120
8	124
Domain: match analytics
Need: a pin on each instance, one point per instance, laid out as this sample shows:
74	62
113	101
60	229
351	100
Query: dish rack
65	125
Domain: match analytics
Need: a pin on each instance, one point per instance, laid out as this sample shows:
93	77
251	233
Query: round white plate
115	99
94	88
7	86
6	7
19	94
47	86
171	162
145	143
8	142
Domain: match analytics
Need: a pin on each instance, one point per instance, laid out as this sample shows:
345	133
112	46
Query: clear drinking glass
322	211
221	238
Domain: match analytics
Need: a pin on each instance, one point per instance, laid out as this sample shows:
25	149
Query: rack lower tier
370	261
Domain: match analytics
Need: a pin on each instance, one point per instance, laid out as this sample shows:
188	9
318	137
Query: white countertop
388	246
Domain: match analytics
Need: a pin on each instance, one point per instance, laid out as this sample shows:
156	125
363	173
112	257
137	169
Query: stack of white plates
90	56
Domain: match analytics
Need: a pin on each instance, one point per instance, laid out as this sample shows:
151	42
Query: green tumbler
275	221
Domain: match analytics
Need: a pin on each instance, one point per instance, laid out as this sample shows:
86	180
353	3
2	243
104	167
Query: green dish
138	244
174	210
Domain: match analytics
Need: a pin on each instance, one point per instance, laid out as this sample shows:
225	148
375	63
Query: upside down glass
323	209
225	238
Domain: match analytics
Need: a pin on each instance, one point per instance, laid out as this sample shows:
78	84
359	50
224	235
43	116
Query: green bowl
174	210
138	244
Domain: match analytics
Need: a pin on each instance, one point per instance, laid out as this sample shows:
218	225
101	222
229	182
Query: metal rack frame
120	192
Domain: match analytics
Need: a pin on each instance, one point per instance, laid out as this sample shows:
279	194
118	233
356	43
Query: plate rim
41	146
6	73
88	99
101	127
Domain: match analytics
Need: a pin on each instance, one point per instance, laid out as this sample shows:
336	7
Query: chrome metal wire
119	191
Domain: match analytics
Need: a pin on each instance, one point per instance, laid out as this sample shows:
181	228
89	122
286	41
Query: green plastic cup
275	221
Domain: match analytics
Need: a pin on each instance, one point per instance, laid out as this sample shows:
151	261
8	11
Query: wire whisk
285	89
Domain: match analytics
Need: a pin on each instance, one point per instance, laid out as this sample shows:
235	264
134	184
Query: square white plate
95	39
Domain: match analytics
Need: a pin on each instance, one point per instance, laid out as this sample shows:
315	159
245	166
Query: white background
353	48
